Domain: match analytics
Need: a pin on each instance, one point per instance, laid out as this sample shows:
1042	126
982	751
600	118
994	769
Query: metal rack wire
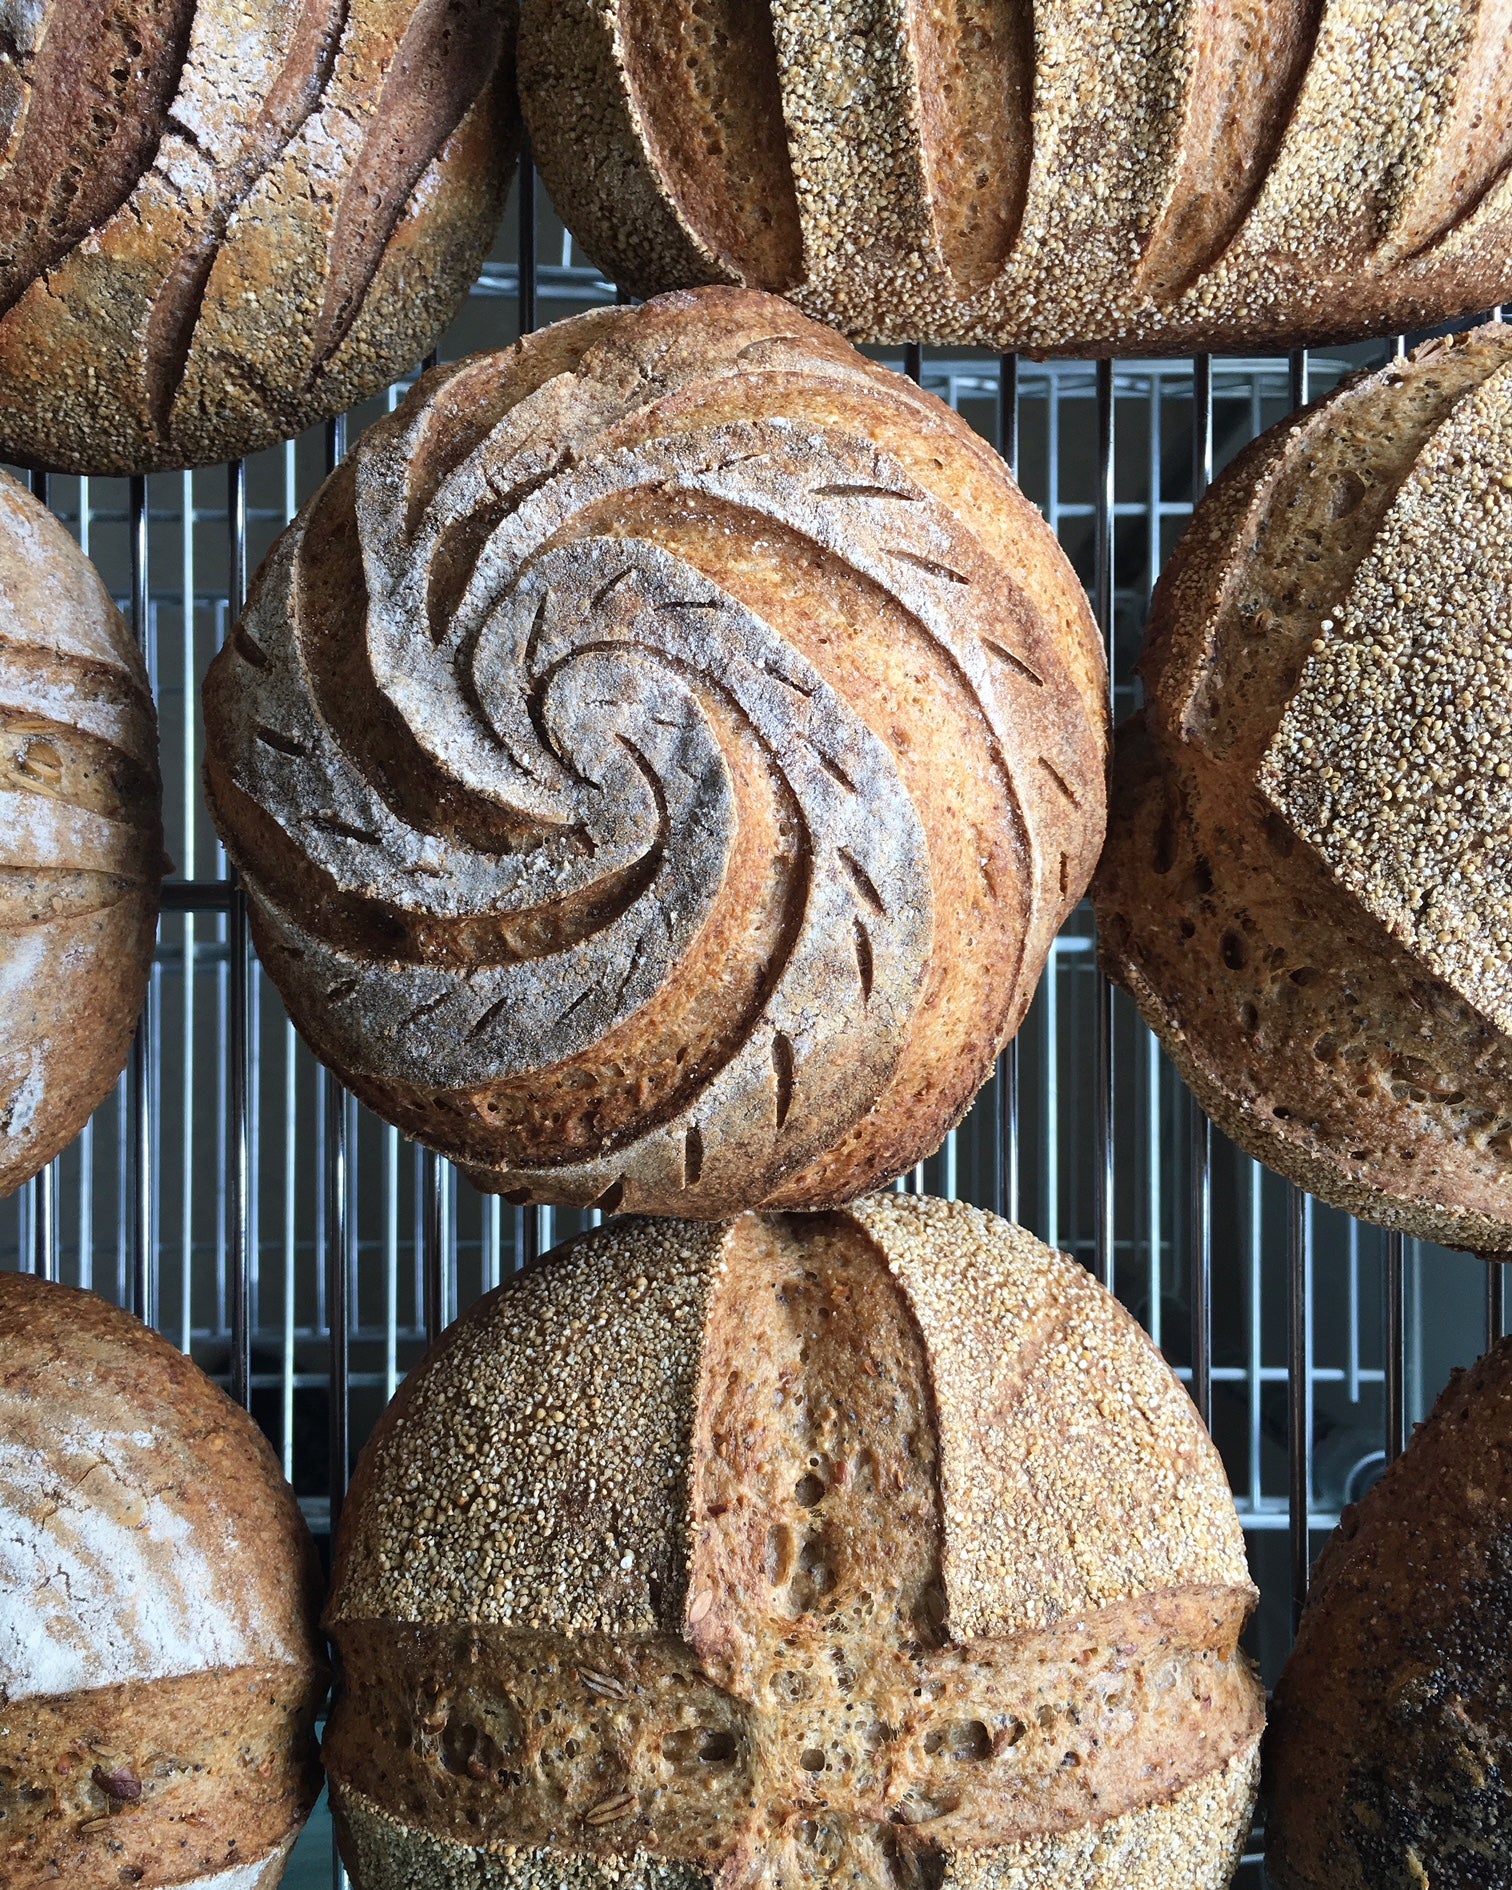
234	1194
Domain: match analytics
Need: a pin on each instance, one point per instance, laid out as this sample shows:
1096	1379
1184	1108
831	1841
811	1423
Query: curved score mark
782	1070
294	95
447	57
976	95
100	86
705	82
1473	150
1250	61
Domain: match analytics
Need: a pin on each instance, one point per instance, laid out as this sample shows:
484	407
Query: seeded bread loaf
80	837
159	1662
877	1546
1392	1737
1057	176
223	222
1308	881
659	760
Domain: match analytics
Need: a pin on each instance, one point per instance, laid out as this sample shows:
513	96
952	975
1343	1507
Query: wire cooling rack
235	1195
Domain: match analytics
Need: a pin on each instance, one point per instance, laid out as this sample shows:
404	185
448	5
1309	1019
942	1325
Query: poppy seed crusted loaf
222	221
1387	1758
1060	177
660	759
159	1662
878	1547
1308	881
81	843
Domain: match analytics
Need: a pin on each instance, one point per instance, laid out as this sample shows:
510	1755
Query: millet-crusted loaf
81	841
1308	880
222	221
1066	176
659	760
876	1547
160	1667
1391	1743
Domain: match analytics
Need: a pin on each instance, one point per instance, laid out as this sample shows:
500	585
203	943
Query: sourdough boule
865	1546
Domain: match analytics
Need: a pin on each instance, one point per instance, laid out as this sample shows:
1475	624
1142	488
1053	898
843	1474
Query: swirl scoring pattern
660	759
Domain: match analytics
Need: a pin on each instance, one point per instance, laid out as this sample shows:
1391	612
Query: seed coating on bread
80	837
660	760
1309	870
1387	1758
1074	176
877	1544
221	223
159	1663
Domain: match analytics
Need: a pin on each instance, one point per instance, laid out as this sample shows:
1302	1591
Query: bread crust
1214	174
655	1596
159	1663
80	837
1392	1717
293	205
605	744
1306	879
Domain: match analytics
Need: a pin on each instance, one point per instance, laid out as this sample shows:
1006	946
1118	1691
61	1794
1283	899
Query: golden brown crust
294	203
1305	882
80	837
606	742
772	1588
1386	1762
1217	173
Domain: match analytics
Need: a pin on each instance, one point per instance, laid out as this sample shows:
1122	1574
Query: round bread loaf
1308	881
222	221
160	1668
874	1547
1055	176
80	837
1391	1742
660	759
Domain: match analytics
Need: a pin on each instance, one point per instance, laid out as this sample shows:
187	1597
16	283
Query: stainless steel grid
234	1194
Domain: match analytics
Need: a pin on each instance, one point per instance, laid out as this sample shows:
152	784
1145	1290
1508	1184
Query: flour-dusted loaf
222	221
876	1547
659	760
160	1666
1308	881
80	836
1391	1745
1061	176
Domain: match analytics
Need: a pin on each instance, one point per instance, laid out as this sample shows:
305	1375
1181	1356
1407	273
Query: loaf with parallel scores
875	1547
81	843
1058	176
1308	881
1391	1743
659	760
222	221
160	1666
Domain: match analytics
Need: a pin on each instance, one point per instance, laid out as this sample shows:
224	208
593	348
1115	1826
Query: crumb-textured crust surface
1309	867
159	1658
80	837
1062	177
1387	1760
221	224
879	1542
660	759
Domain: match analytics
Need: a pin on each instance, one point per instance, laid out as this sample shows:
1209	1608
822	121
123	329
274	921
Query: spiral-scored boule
660	758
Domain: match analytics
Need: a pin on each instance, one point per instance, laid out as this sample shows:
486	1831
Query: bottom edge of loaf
1192	1841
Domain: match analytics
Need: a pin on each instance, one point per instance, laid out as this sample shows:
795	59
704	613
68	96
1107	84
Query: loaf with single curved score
660	759
160	1662
877	1547
1387	1758
1218	174
81	838
221	223
1308	879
